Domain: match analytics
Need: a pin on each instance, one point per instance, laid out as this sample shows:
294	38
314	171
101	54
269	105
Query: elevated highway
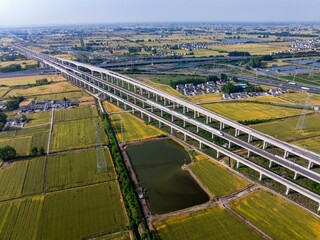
105	87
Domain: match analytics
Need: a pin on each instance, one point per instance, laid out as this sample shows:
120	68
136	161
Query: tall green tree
7	153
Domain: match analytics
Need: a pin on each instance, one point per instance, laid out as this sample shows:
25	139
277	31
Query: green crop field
72	214
277	217
20	219
77	168
21	144
304	78
133	128
215	223
240	111
216	178
38	118
115	236
75	113
22	178
83	212
288	128
76	134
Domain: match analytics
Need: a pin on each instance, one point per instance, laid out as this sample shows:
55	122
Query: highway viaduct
138	96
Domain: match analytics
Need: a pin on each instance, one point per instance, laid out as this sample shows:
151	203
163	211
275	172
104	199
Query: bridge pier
197	129
237	133
152	109
222	125
286	154
185	137
149	119
184	110
218	154
310	165
172	118
248	154
141	115
288	191
260	177
195	114
249	138
265	145
270	164
184	123
160	124
200	145
296	175
171	131
238	164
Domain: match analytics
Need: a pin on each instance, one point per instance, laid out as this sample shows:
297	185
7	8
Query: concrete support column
160	124
121	94
270	164
184	110
295	176
125	107
171	131
184	123
286	154
198	114
212	135
161	113
133	110
156	98
141	91
135	100
128	97
152	109
185	137
143	104
117	102
265	145
248	154
141	115
172	118
134	88
237	133
122	83
229	145
249	138
310	165
200	145
101	76
148	94
207	119
188	110
197	129
222	126
128	86
288	191
149	119
238	164
195	114
114	91
218	154
165	101
260	177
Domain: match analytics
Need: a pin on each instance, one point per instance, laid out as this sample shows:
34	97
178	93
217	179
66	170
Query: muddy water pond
158	165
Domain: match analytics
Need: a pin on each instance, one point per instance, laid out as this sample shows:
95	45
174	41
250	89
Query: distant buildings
46	105
190	89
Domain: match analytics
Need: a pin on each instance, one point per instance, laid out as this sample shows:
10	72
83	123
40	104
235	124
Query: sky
61	12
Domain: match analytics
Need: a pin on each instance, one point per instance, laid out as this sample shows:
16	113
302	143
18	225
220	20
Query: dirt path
48	151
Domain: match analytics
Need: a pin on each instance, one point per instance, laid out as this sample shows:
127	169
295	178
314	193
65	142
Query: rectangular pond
168	188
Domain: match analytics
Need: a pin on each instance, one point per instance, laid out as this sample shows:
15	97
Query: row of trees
127	188
11	68
196	80
34	151
231	88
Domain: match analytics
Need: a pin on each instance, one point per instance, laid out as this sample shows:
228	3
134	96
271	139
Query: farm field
22	63
255	48
60	96
216	178
76	134
280	219
3	90
240	111
83	212
207	97
21	144
75	113
214	223
77	168
270	99
15	81
115	236
22	178
133	128
288	128
73	214
112	108
44	89
300	98
38	118
313	144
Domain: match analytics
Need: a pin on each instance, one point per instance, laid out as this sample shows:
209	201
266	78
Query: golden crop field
277	217
312	144
255	48
44	89
217	178
270	64
240	111
38	118
59	96
26	102
211	97
288	128
112	108
21	144
270	99
215	223
23	63
75	113
3	91
66	56
301	97
15	81
133	128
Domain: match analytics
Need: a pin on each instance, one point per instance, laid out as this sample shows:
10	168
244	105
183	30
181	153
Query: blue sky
43	12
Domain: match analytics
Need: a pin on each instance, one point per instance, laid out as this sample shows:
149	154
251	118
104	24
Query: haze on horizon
59	12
